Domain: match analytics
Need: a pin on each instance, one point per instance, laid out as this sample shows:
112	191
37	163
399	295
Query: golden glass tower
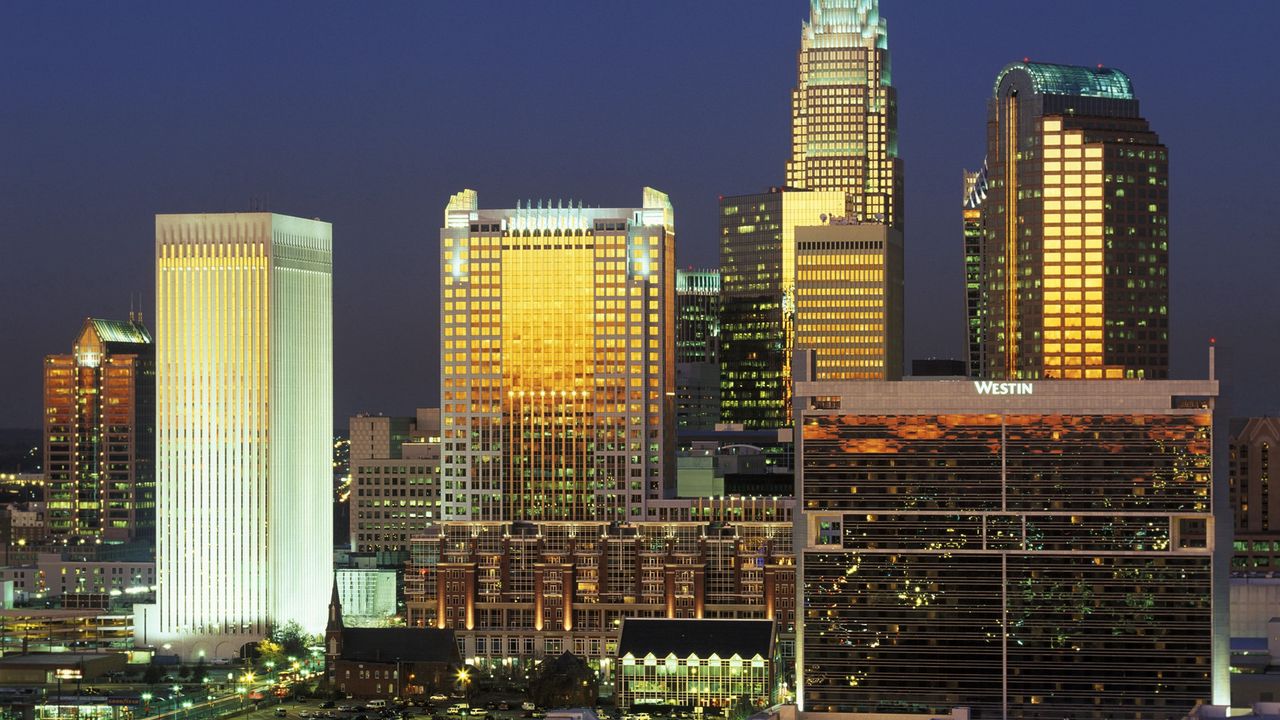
244	413
844	110
558	359
1074	230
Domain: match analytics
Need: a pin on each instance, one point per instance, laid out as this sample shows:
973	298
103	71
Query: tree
153	674
199	672
742	709
292	639
270	651
566	681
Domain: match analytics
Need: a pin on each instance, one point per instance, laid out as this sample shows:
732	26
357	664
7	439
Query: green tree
199	672
153	674
566	681
292	639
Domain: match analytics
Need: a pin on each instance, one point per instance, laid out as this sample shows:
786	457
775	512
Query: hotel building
99	436
1075	229
1027	549
558	371
244	379
844	111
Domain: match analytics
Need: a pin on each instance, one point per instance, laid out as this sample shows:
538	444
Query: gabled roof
388	645
724	638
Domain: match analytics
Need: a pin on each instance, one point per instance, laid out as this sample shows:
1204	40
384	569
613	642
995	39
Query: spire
335	610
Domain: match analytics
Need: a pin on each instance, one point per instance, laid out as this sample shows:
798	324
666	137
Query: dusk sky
370	114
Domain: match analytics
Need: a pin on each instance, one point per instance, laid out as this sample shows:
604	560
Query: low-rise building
696	663
82	583
523	591
387	662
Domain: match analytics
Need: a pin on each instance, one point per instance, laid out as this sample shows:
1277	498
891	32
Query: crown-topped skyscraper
844	110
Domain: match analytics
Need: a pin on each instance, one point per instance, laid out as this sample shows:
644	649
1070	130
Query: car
439	697
281	712
305	715
526	706
457	709
327	705
478	712
504	705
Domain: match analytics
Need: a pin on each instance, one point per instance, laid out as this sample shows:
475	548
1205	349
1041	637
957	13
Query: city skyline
400	169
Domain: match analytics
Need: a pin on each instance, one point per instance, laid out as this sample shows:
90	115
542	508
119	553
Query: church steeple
335	610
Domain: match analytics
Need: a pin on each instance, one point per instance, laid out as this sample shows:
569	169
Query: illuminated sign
988	387
68	674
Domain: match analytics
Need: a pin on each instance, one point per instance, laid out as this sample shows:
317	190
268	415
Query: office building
1255	519
99	436
758	299
81	583
395	482
1075	229
696	663
244	386
844	111
558	371
368	595
697	348
975	193
516	592
849	300
1027	549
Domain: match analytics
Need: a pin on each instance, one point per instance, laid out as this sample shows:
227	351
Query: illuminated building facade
1256	520
244	380
849	300
695	663
697	348
844	111
1075	254
99	436
531	590
1028	549
975	193
558	348
395	482
758	298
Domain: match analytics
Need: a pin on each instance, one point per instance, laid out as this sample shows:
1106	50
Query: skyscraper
1028	549
244	380
975	193
558	359
99	435
697	348
849	299
1075	256
757	298
844	111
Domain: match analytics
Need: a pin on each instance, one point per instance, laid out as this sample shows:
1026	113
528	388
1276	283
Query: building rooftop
121	331
703	638
1051	79
400	644
54	659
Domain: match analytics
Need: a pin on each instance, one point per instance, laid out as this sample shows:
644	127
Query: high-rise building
697	348
244	387
849	299
1256	519
1027	549
1075	229
844	111
558	359
975	193
99	435
758	296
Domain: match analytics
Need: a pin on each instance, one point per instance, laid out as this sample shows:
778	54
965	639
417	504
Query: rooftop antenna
1212	349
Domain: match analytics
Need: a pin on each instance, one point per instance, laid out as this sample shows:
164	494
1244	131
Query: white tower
244	405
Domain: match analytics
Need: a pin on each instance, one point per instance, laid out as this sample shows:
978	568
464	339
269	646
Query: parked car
327	705
478	712
281	712
439	697
526	705
504	705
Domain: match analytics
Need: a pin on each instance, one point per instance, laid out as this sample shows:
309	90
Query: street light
146	702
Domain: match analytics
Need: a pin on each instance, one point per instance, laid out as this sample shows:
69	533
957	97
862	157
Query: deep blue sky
370	114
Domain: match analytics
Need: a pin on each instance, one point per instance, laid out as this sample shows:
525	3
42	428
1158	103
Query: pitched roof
121	331
724	638
400	644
